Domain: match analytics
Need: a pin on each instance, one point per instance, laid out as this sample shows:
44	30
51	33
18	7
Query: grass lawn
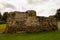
2	27
53	35
58	25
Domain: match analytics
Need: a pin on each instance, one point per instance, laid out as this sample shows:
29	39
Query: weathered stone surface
21	22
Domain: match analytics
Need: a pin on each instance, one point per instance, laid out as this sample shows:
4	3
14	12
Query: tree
4	17
0	16
58	14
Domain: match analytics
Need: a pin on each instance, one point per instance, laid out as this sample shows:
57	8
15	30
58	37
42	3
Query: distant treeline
58	14
3	17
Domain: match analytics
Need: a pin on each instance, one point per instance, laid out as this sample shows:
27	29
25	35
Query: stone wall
29	22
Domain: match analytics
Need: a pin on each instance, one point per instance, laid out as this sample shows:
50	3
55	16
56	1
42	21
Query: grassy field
53	35
2	27
58	25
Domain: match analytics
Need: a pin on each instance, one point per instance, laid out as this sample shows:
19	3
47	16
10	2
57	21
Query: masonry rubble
22	22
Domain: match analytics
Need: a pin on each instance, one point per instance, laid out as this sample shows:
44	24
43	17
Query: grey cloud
7	5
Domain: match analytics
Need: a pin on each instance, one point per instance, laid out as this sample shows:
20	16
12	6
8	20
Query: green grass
2	27
58	25
52	35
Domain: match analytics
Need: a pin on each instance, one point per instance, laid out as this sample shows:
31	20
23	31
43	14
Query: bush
2	22
58	14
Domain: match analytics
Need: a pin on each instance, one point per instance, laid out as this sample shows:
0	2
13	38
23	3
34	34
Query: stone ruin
22	22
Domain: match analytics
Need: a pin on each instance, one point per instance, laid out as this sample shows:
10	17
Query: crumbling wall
32	23
48	23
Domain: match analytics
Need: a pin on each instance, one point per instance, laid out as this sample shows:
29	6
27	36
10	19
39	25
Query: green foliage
4	17
0	17
58	14
2	22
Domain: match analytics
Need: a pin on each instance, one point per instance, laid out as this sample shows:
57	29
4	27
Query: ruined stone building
22	22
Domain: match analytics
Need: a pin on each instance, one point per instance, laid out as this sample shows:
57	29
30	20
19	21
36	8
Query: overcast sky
42	7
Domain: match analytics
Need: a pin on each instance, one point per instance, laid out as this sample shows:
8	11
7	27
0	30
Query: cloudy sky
42	7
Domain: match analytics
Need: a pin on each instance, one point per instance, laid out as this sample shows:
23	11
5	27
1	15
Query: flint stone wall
22	22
